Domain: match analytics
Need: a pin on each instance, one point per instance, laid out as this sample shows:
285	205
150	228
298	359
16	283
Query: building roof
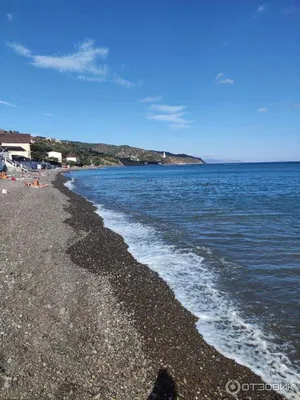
14	138
13	148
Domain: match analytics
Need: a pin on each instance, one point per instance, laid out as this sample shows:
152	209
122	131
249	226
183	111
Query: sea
226	239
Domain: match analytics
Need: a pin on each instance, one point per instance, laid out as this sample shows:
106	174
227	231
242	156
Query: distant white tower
164	155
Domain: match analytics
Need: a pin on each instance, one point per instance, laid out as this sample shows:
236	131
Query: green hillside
86	156
142	155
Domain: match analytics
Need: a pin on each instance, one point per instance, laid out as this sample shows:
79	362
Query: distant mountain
214	161
135	154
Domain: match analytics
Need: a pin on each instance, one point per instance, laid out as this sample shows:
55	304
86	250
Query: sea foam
196	287
70	184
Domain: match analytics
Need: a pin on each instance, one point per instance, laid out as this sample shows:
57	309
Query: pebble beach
80	318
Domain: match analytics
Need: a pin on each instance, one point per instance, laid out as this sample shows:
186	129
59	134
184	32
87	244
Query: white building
55	154
15	144
71	157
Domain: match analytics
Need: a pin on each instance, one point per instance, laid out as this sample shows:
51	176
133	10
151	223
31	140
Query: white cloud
176	120
261	8
47	114
91	78
177	117
19	49
123	82
173	115
83	61
296	105
179	126
224	81
167	109
151	99
7	104
262	109
9	16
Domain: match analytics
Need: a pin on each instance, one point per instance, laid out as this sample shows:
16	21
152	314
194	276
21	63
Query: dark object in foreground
164	387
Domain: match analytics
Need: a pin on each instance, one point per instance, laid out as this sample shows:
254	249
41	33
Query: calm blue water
226	238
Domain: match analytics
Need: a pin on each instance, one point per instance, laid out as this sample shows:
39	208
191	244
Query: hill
138	155
41	146
104	154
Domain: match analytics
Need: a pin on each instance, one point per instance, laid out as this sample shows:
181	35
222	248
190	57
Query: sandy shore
80	318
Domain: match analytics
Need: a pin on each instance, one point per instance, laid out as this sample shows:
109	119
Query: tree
85	161
97	162
40	146
53	159
38	155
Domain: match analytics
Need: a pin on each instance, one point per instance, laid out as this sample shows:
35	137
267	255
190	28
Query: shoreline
169	332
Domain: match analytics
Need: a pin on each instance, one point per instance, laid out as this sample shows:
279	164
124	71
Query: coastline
167	328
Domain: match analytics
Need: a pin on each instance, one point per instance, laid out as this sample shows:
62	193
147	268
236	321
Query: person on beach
35	184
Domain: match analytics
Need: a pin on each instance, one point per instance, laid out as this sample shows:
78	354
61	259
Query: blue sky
213	78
